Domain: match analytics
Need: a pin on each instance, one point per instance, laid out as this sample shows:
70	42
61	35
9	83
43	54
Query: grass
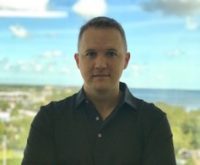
12	157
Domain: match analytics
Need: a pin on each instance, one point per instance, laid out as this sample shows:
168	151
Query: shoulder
56	106
55	109
148	113
61	104
149	110
151	118
142	107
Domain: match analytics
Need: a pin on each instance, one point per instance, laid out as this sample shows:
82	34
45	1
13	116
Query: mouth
100	75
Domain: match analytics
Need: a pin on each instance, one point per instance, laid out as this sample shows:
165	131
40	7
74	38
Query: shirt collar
80	98
127	97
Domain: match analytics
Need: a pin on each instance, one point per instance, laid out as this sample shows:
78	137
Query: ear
76	57
127	58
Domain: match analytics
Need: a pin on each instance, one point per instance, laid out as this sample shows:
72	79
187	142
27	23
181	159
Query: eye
111	53
91	54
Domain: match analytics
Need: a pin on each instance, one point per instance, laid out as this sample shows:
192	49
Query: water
190	99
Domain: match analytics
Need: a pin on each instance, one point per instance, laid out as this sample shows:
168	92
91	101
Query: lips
100	75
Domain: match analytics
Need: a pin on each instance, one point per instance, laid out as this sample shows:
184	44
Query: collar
127	98
80	98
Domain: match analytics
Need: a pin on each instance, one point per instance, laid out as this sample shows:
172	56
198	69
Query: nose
100	62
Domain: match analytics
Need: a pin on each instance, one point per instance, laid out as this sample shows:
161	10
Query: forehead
101	37
103	30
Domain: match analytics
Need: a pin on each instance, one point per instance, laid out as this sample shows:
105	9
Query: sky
38	39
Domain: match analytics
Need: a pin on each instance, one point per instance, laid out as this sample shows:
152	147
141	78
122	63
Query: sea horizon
79	86
187	98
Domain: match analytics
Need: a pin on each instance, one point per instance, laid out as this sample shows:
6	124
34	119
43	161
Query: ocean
189	99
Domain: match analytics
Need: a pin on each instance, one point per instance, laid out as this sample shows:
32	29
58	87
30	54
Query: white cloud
27	8
127	8
24	68
18	31
175	53
37	5
3	60
137	69
66	70
134	71
51	69
33	14
161	78
183	8
38	67
151	22
7	66
191	23
52	54
23	65
90	8
173	7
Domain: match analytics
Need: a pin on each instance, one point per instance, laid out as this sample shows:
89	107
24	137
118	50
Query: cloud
175	53
126	8
52	54
21	66
90	8
33	14
7	66
10	66
3	60
28	65
51	68
66	70
18	31
173	7
151	23
137	69
191	23
24	5
38	67
27	8
134	71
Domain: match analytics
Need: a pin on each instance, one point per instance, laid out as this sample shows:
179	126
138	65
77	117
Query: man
102	124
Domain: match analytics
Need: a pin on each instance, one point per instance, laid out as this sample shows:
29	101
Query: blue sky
38	41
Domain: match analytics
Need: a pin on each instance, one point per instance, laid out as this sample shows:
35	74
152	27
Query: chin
102	87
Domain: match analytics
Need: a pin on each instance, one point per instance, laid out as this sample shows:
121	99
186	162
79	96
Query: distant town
30	98
19	105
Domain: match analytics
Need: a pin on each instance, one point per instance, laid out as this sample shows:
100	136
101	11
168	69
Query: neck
104	101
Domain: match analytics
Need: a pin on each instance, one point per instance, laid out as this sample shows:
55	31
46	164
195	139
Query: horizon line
79	86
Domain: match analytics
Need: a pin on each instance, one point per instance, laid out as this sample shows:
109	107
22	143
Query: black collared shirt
71	132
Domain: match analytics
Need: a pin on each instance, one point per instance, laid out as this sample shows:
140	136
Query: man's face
101	58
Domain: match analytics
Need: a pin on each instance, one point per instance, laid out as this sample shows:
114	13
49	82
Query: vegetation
185	124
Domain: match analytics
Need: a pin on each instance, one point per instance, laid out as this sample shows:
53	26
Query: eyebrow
91	50
112	50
